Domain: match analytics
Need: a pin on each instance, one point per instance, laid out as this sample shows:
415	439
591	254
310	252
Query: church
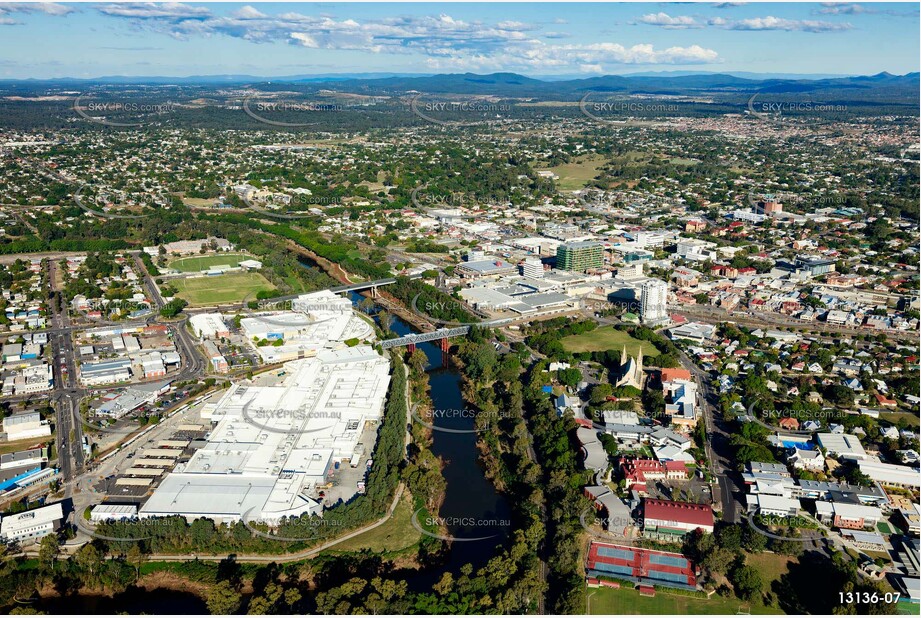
631	371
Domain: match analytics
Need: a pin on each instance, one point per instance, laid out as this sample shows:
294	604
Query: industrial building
316	320
272	446
113	512
209	326
105	372
24	426
30	526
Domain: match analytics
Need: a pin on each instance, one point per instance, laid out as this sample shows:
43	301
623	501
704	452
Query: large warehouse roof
273	443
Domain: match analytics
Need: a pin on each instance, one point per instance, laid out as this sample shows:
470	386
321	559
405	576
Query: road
718	447
66	394
193	365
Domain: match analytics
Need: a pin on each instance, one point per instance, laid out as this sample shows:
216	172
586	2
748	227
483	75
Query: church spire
639	367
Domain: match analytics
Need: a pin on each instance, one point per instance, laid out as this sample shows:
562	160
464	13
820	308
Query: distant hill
512	85
696	94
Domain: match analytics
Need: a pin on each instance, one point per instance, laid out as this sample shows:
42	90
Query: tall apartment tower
532	267
580	256
653	302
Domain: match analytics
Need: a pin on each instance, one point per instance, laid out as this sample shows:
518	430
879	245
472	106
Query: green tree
747	582
222	598
173	308
89	561
48	552
136	558
569	377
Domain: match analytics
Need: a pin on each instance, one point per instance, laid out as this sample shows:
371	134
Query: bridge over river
442	334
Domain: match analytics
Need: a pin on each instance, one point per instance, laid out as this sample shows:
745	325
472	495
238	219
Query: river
472	508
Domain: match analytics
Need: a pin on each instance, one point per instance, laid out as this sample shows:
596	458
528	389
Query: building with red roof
675	518
885	401
637	472
667	375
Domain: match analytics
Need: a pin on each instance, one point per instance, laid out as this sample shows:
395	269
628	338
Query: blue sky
266	39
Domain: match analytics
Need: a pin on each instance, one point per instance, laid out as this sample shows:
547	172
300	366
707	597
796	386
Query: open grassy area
198	263
21	445
394	534
576	175
608	338
628	601
199	202
227	288
771	566
893	417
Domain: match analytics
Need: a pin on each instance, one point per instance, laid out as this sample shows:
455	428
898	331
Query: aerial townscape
549	308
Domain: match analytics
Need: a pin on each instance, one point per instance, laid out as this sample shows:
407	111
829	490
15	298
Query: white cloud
668	22
788	25
155	10
53	8
305	40
48	8
248	12
842	8
446	42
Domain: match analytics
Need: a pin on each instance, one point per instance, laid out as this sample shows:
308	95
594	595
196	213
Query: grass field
576	175
227	288
199	263
628	601
19	445
771	566
394	534
199	202
608	338
893	417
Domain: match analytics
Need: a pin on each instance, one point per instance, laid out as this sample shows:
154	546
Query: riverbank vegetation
429	300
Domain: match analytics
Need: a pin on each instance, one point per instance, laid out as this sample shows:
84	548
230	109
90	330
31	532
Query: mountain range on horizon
498	77
874	90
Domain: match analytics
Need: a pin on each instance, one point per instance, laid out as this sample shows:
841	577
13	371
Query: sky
88	40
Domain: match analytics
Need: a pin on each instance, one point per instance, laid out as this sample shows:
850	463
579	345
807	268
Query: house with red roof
885	401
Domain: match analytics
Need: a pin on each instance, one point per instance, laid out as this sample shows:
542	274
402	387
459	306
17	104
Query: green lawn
609	601
199	263
771	566
910	418
394	534
576	175
608	338
227	288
